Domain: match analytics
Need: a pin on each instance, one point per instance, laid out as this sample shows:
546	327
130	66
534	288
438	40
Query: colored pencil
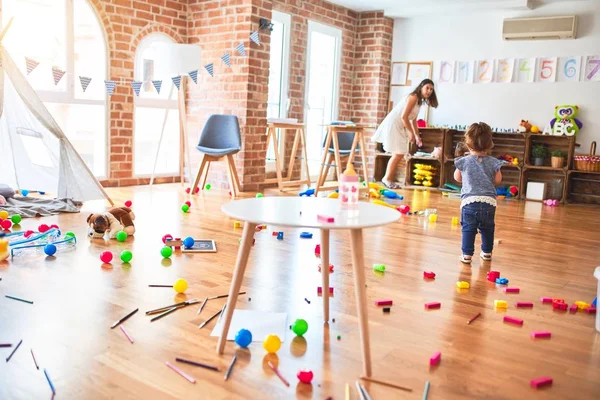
222	312
196	364
125	318
14	350
164	314
426	391
18	299
274	368
362	392
233	360
384	383
474	318
49	381
126	334
5	345
180	304
169	286
202	306
223	296
34	360
180	372
210	319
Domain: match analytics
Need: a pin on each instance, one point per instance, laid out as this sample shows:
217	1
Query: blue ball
50	249
243	338
24	192
42	193
188	242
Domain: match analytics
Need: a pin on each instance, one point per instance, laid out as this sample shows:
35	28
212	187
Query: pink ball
128	203
189	203
197	190
6	224
167	236
106	257
305	375
188	190
43	228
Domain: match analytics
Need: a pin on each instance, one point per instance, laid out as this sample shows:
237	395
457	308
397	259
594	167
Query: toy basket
588	162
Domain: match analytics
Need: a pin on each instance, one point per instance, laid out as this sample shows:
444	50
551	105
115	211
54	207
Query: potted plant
539	153
558	159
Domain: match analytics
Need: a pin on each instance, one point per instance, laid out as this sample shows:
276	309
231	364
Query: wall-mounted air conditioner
545	28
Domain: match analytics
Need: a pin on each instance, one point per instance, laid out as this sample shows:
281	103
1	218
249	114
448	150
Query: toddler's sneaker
485	256
465	259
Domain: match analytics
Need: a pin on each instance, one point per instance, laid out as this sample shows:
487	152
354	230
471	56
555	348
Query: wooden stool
300	137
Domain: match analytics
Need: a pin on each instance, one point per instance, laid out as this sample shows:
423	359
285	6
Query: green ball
69	234
121	236
166	252
379	267
16	219
126	256
207	186
259	195
300	327
185	208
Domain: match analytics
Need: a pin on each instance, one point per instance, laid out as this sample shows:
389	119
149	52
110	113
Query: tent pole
162	133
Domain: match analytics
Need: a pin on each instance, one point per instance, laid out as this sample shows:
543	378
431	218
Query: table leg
236	283
276	152
325	272
352	149
321	178
361	296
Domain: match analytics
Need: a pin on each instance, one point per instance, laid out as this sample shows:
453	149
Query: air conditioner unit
545	28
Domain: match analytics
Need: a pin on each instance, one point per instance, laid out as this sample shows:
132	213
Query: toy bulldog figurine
114	220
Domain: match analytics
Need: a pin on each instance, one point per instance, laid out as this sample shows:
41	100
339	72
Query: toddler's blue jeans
478	216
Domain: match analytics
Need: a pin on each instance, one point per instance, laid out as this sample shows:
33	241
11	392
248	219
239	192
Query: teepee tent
35	154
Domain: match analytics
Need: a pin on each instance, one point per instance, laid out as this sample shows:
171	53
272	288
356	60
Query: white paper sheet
259	323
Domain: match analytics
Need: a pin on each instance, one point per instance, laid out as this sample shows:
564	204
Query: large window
156	114
66	34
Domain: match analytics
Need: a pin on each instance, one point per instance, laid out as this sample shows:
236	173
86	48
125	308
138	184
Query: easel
299	139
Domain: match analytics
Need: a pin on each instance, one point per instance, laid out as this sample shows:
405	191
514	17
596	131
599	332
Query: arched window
68	35
156	113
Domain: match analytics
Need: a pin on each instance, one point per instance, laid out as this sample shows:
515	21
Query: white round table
304	212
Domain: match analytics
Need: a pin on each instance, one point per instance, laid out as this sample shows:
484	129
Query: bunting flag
226	59
241	49
110	87
57	73
210	69
137	86
31	64
85	82
254	37
176	81
194	75
157	85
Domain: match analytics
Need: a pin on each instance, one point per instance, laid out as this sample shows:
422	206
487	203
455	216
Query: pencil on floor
274	368
196	364
164	314
180	372
34	360
202	306
347	391
18	299
14	350
426	391
126	334
49	381
202	325
233	360
223	295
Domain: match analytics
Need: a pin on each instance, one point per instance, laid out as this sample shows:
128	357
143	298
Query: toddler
479	174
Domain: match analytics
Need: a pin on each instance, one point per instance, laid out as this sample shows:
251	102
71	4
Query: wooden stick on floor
392	385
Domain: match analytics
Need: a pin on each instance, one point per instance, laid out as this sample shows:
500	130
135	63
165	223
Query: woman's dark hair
432	100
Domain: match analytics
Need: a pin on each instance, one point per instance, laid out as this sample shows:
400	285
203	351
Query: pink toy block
383	302
428	274
512	320
542	381
573	308
318	250
590	310
435	359
538	335
512	290
524	304
493	275
325	218
320	290
431	306
560	306
546	300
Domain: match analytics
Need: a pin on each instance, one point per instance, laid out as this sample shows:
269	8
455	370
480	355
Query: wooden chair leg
199	174
236	178
205	177
230	178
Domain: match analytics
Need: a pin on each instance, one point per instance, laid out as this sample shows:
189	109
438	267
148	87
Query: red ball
188	190
404	209
6	224
189	203
197	190
54	227
43	228
167	236
28	233
106	256
128	203
305	375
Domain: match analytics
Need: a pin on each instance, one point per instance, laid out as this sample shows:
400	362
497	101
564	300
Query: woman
399	128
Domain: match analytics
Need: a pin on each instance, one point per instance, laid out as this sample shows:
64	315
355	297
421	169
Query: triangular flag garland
254	37
57	73
31	64
157	85
226	59
176	81
137	86
194	75
110	87
85	82
210	69
241	49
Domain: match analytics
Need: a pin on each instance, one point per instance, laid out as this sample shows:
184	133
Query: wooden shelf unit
582	187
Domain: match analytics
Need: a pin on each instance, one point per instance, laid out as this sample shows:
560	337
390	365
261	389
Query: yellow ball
180	285
454	220
272	343
432	217
3	214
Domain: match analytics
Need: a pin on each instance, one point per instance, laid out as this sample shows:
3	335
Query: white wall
479	36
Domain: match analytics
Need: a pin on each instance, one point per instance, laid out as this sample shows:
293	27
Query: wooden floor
544	251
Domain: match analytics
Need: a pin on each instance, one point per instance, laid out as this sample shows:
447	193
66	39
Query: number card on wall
547	69
592	68
504	70
464	74
447	72
526	70
569	69
485	71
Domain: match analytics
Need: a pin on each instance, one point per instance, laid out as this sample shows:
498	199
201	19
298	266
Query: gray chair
345	140
220	139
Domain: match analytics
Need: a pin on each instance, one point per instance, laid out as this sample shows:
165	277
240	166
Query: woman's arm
411	102
417	133
457	176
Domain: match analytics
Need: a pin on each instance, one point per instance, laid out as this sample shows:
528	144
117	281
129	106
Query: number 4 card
526	70
547	69
592	68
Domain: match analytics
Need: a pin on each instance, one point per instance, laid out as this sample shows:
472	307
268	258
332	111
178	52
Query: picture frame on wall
411	73
399	73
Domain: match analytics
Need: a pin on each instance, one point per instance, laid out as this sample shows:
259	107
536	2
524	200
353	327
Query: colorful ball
43	228
188	242
50	249
3	214
121	236
432	217
16	219
69	234
243	338
180	285
259	195
188	190
207	186
305	376
185	208
197	190
128	203
300	327
28	233
106	257
189	203
167	236
126	256
166	252
24	192
6	224
272	343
